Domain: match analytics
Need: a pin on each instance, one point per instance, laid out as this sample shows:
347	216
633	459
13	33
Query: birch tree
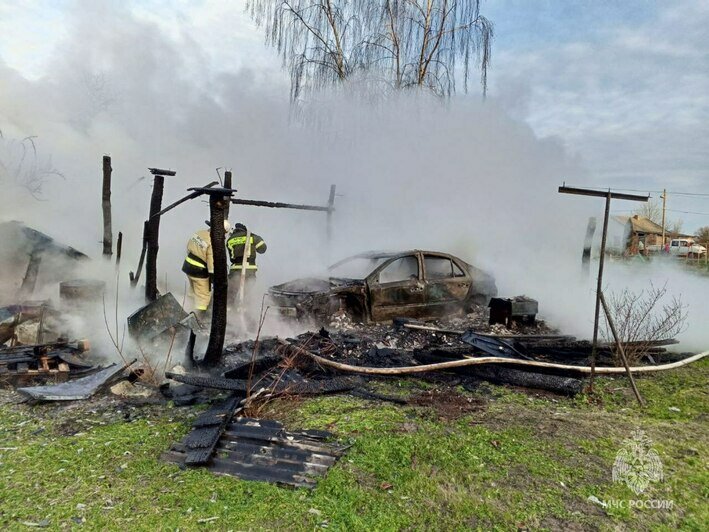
400	43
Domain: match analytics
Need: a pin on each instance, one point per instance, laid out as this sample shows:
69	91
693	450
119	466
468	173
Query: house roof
36	240
640	224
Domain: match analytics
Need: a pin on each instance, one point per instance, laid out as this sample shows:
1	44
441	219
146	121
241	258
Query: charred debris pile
346	356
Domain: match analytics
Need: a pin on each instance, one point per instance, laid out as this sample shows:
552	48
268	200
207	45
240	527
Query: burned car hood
312	285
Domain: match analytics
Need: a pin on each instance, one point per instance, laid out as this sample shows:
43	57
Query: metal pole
599	286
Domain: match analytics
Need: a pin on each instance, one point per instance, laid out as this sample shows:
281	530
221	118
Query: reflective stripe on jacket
236	245
199	261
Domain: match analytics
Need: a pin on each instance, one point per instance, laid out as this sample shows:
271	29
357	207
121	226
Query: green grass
518	461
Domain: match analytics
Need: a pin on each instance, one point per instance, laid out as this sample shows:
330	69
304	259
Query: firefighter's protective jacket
199	261
236	245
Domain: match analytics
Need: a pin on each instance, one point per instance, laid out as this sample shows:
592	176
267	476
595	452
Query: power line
690	212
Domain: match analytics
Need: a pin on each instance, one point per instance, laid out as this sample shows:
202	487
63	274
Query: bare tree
20	164
702	234
402	43
674	228
642	318
652	210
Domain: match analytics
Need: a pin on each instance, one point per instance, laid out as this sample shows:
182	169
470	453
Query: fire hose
492	360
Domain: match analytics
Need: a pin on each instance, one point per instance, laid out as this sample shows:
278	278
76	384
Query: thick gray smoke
463	177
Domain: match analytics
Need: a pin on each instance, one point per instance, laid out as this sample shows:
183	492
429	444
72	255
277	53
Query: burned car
380	286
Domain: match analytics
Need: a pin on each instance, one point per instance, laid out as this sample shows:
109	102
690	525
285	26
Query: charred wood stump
152	239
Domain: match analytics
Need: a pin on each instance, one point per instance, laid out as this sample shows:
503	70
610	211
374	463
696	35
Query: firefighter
236	247
199	267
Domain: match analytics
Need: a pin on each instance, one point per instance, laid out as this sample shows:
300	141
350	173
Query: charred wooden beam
160	171
29	282
106	207
119	248
587	244
134	277
280	205
331	209
183	199
227	184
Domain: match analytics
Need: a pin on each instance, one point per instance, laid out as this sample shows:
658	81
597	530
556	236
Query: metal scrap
82	388
262	450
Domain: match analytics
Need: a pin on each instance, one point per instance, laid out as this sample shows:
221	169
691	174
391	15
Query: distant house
30	259
640	234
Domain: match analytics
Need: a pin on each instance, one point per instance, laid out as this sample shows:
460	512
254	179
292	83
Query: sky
623	85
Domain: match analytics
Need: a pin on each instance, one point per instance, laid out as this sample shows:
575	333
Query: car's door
447	283
396	289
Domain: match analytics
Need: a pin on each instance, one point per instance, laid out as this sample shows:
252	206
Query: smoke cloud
465	176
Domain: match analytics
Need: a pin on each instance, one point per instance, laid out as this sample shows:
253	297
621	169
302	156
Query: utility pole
664	205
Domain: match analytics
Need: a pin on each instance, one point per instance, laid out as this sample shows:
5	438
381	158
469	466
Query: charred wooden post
30	280
119	248
217	199
227	184
330	210
153	233
134	277
106	206
587	245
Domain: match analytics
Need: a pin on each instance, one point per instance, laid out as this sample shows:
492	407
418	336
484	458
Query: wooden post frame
608	194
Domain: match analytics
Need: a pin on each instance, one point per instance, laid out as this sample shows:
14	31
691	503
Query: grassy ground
494	458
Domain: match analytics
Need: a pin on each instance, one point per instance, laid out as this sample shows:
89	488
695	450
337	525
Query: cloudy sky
623	85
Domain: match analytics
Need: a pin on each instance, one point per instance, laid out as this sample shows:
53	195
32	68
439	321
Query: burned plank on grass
300	387
206	431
